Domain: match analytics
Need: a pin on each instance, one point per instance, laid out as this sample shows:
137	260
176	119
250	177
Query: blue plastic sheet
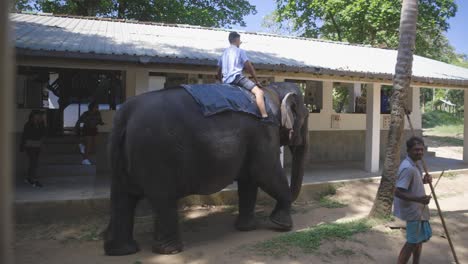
217	98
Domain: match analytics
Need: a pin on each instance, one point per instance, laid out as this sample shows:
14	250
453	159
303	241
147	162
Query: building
73	59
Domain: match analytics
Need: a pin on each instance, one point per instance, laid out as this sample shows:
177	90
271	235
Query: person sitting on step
90	119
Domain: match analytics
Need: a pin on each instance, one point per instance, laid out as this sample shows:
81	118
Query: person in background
90	120
34	133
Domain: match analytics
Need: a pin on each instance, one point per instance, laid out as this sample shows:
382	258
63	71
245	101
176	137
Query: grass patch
343	252
328	202
325	198
439	118
310	239
449	175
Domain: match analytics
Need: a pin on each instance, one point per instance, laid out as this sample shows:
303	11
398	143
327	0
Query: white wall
156	83
323	122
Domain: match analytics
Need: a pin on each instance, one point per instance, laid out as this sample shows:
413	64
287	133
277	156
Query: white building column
465	127
416	115
327	97
372	155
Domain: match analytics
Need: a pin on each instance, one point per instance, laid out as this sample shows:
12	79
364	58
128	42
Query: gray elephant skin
162	148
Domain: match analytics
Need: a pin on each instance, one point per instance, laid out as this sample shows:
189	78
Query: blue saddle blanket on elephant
217	98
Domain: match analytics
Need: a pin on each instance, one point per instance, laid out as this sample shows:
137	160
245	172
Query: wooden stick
435	199
438	180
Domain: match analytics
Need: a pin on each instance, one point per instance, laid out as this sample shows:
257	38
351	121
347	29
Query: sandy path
210	238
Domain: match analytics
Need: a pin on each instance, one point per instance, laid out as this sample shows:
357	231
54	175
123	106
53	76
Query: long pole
6	127
447	234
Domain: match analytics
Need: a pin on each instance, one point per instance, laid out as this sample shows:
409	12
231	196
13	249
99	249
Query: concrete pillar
130	83
372	155
136	81
465	127
6	127
141	81
327	97
416	118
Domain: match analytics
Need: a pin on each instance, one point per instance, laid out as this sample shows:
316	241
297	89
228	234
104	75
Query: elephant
163	148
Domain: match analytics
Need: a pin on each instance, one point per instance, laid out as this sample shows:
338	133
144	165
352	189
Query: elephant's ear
287	114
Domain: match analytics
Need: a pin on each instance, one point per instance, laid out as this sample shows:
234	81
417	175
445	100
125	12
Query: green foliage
439	118
373	22
21	5
461	60
340	98
210	13
328	202
310	239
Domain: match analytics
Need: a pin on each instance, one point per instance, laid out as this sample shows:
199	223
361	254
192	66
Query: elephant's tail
116	148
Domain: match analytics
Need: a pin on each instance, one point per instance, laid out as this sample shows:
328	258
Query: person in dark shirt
34	133
90	120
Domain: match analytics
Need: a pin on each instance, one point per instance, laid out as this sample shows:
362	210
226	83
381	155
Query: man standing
411	201
230	67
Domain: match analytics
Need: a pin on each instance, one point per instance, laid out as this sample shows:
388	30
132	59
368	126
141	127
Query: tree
210	13
285	27
373	22
383	202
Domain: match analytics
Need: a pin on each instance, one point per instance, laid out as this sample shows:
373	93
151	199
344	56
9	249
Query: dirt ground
444	145
209	235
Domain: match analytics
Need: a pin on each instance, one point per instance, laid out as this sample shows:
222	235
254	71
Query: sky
457	34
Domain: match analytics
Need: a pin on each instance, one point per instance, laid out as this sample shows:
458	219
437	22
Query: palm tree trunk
401	83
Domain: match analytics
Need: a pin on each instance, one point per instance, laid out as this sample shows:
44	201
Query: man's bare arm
407	197
250	68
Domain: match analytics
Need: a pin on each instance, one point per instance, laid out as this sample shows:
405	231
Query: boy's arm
250	68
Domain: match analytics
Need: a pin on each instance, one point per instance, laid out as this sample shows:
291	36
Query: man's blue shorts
244	82
418	231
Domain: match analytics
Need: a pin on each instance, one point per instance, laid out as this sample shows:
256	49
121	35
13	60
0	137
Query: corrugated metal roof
154	42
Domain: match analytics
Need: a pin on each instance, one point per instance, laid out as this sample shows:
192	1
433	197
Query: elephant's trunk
299	154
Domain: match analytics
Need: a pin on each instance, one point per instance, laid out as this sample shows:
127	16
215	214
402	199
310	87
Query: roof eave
146	60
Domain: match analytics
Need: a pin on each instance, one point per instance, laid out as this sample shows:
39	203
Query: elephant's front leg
167	239
247	192
276	185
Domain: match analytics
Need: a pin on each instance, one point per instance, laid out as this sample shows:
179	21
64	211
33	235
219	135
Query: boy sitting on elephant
230	67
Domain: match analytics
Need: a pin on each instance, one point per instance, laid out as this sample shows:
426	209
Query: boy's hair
413	141
233	36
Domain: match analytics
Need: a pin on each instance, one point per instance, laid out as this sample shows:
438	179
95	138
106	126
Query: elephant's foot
245	223
282	218
168	247
117	248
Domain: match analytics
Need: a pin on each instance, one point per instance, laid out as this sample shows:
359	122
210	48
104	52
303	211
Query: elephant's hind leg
247	191
119	235
167	238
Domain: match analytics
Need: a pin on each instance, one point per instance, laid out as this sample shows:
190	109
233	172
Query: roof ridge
134	21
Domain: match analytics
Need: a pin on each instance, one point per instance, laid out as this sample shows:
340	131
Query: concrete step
62	140
67	148
66	170
430	154
61	159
